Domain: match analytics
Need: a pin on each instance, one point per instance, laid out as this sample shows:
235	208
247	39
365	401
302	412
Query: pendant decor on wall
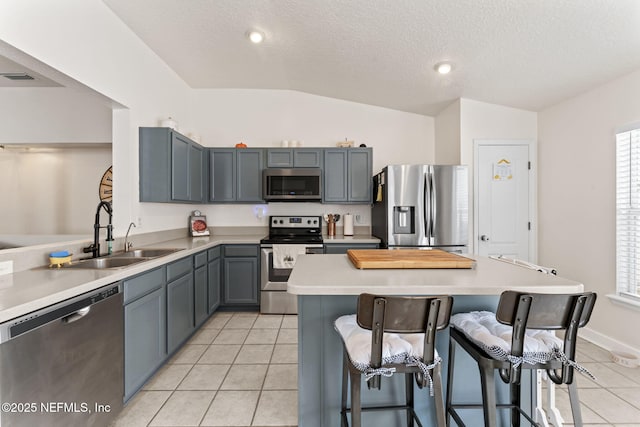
105	190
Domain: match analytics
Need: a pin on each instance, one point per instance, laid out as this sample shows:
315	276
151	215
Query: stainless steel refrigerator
422	206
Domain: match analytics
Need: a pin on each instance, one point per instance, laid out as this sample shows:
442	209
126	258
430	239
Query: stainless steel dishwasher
63	365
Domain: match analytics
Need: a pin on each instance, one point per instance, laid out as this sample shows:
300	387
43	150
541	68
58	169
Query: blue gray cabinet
200	285
172	167
341	248
180	308
145	330
294	157
241	280
347	175
214	278
235	175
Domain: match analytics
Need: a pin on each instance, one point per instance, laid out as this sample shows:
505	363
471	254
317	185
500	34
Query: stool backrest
524	311
407	315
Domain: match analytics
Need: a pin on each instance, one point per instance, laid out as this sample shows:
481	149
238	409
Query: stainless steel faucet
127	244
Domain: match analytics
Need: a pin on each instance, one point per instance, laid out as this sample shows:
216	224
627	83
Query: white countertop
30	290
336	275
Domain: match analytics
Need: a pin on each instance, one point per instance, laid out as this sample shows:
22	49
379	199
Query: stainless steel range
289	236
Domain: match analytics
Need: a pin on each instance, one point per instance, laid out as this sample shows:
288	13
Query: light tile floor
239	369
612	400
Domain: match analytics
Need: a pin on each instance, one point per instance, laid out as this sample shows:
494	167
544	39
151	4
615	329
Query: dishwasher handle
74	317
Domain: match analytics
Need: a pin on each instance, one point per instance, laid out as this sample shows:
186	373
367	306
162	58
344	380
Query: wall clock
105	191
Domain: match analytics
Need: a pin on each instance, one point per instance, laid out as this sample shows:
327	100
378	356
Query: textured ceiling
523	54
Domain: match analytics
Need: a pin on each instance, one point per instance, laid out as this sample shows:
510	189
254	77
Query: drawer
179	268
143	284
241	251
214	253
200	259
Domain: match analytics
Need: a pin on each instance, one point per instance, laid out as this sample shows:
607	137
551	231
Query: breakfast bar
327	287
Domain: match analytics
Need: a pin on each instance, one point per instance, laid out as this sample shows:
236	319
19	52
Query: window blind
628	213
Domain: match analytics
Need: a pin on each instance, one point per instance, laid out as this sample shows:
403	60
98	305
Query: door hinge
529	165
529	225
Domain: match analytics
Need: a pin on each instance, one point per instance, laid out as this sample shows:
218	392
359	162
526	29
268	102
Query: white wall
52	115
263	118
447	130
480	120
85	41
50	191
119	66
577	198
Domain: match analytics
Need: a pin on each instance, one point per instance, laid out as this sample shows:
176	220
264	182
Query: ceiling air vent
17	76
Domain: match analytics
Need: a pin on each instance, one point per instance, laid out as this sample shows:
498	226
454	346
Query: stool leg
452	353
345	384
438	396
515	400
488	396
408	386
575	403
356	404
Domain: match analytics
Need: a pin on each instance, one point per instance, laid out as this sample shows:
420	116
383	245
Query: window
628	213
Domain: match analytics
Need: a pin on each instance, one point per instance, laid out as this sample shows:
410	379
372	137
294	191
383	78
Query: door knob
484	238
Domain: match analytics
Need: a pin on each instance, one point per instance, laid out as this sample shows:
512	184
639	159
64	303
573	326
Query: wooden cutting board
407	258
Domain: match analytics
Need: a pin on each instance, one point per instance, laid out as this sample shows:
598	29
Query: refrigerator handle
425	206
432	211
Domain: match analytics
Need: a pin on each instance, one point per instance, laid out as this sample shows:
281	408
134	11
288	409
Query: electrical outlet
358	219
6	267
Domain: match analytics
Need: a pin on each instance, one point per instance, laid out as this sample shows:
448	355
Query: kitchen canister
348	224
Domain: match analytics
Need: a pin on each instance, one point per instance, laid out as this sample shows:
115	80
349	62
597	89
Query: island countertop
336	275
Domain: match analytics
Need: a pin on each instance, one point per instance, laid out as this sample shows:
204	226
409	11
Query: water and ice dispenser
404	220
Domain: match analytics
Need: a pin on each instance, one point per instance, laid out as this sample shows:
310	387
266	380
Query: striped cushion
483	329
396	348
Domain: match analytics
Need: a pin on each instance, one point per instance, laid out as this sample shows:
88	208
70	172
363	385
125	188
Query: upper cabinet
294	158
175	169
347	175
172	167
235	175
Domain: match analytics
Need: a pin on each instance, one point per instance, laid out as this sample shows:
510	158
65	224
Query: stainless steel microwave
292	184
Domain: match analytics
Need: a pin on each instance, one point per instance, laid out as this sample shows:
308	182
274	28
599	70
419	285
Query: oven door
275	279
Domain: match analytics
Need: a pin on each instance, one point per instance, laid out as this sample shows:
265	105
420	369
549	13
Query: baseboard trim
606	342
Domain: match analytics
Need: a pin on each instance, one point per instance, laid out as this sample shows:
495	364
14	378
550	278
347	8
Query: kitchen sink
145	253
121	259
101	263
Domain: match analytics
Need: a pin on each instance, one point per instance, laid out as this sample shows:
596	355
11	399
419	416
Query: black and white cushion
396	348
482	328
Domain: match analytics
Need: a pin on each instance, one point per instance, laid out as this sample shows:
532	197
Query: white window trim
627	218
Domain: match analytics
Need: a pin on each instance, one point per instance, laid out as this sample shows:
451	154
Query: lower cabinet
179	311
342	248
145	331
241	280
214	276
164	306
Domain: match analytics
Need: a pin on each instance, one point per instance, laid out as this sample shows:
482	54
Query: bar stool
391	335
518	337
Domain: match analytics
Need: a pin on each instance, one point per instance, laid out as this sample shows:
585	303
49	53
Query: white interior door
503	202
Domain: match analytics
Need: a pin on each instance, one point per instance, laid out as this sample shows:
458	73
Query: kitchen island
327	287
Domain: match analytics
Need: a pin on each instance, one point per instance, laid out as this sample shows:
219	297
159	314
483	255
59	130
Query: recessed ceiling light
255	36
443	67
